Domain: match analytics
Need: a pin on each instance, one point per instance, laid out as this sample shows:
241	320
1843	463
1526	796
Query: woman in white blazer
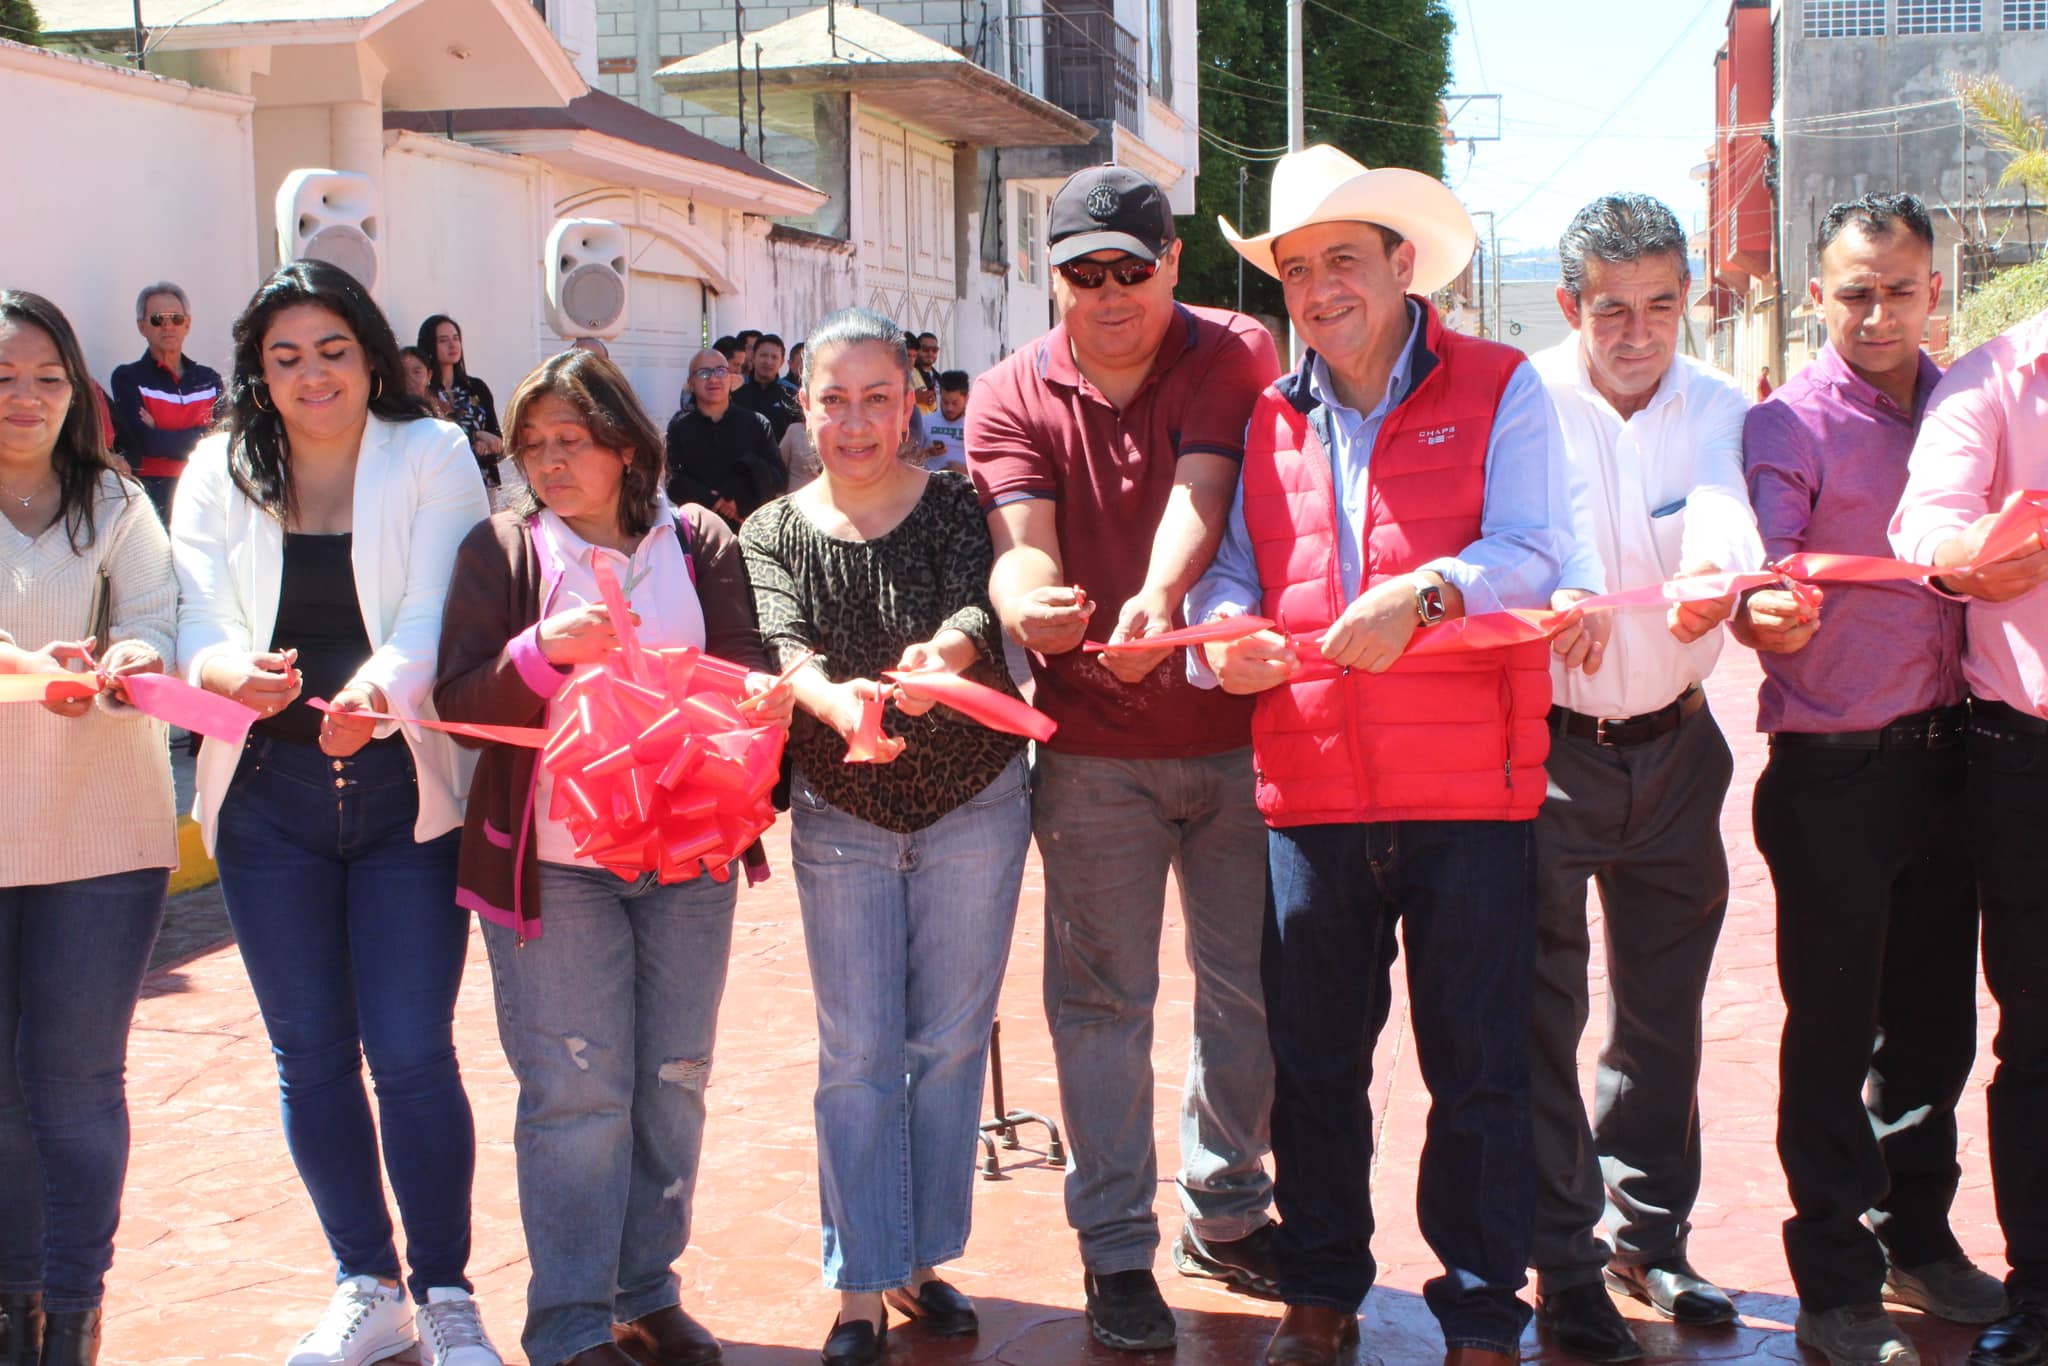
314	535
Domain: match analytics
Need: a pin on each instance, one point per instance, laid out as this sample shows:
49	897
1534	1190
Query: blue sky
1643	70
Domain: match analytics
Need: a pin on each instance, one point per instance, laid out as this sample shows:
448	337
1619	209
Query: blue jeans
72	955
908	936
355	947
1464	894
607	1018
1108	831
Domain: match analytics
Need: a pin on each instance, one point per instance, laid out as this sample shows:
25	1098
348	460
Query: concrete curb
195	866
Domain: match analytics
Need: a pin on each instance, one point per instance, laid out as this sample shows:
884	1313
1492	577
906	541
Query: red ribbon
168	699
976	702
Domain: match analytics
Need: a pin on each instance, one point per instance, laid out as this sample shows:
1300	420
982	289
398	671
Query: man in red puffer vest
1404	476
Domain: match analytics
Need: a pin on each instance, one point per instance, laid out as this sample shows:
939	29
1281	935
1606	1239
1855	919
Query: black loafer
858	1343
1676	1291
937	1307
1583	1320
2018	1339
668	1337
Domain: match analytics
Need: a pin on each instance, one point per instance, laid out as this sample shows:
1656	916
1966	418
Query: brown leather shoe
668	1337
1479	1356
1312	1335
606	1354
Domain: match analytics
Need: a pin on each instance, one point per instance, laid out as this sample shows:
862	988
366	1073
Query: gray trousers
1108	831
1643	822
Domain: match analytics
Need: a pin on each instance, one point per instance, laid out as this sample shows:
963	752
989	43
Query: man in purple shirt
1859	814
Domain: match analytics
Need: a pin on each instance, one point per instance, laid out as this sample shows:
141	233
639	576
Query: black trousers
1877	961
2008	812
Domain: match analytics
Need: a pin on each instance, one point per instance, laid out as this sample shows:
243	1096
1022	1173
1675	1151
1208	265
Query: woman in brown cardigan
607	1018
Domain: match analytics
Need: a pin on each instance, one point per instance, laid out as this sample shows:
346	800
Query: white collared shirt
1650	494
657	583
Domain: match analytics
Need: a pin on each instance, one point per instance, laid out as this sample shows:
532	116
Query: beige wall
116	180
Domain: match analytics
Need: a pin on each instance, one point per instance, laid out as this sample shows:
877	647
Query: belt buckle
1941	730
1601	726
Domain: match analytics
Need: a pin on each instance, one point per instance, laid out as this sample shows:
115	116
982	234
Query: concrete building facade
1820	101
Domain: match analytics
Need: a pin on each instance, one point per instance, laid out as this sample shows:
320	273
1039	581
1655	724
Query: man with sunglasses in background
1106	456
163	403
720	455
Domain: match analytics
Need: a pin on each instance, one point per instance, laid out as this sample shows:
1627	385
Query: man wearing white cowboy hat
1403	476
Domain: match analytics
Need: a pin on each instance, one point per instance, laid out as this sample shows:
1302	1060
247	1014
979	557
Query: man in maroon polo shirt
1106	455
1860	815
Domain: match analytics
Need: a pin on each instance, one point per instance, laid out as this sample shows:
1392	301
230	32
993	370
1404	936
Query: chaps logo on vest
1435	436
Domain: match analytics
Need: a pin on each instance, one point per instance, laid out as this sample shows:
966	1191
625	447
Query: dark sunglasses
1129	271
168	319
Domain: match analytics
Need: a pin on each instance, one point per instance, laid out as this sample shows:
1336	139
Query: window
1159	48
1844	19
1027	235
1941	16
2025	15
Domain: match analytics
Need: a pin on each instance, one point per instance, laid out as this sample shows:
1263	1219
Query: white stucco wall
115	180
464	238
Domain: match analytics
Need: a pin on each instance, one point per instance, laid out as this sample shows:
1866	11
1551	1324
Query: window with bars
1844	19
2023	16
1941	16
1027	235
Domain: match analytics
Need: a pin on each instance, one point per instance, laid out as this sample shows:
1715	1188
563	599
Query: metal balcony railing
1079	59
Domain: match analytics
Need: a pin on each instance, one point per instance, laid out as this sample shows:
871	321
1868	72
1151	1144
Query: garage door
664	328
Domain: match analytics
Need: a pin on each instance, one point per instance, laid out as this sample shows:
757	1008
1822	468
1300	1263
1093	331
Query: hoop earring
256	397
377	387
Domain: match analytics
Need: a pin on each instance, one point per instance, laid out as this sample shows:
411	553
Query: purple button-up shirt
1825	459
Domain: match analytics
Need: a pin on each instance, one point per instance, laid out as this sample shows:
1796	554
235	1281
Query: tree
18	22
2019	292
1374	72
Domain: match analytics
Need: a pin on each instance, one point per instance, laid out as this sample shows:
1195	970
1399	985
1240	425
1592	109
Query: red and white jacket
1447	737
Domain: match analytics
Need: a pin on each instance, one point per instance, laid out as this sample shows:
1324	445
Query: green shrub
2008	298
18	21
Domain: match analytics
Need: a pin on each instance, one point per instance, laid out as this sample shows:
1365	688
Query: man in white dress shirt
1638	770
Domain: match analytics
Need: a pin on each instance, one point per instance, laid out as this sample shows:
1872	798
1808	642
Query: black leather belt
1630	730
1938	728
2002	722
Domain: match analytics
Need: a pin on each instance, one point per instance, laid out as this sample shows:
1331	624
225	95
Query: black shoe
1675	1290
21	1329
71	1337
1583	1320
858	1343
1125	1311
2018	1339
668	1337
1244	1264
940	1309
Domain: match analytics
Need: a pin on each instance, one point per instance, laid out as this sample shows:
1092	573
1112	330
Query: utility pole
739	68
1294	80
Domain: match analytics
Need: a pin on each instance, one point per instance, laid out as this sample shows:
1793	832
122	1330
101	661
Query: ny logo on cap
1103	202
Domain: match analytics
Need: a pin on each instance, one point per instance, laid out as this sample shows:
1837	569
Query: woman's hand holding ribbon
579	635
266	681
343	729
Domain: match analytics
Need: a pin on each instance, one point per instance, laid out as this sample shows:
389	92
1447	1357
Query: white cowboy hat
1320	184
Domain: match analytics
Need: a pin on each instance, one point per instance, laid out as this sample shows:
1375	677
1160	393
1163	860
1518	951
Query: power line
1615	112
1319	109
1472	28
1370	29
1231	150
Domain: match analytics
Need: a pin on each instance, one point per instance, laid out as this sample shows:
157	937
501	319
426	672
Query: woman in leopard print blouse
908	868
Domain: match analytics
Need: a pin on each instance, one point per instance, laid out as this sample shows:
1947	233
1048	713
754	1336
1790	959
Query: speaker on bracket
331	216
587	277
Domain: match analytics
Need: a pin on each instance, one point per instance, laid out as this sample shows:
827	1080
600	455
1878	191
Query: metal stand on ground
1004	1125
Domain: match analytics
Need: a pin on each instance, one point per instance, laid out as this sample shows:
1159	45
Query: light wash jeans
1108	830
607	1019
908	936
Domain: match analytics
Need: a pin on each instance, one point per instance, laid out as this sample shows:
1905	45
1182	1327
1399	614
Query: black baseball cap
1107	208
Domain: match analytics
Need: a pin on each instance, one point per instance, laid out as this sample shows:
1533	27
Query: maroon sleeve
1002	459
1243	365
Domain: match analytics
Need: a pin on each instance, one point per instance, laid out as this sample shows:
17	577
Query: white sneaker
364	1322
451	1333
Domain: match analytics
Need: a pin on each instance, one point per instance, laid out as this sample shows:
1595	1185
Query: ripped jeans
607	1019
